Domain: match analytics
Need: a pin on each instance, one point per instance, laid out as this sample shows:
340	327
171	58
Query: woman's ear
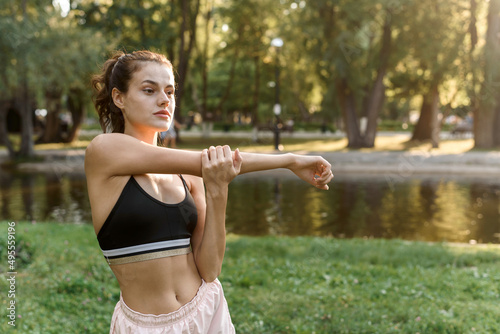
117	97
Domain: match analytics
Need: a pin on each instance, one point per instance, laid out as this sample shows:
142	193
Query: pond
425	208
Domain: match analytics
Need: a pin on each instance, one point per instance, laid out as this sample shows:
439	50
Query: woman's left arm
313	169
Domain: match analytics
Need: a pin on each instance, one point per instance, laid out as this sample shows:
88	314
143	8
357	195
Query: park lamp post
277	43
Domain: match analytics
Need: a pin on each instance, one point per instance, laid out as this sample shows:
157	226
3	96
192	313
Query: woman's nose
163	99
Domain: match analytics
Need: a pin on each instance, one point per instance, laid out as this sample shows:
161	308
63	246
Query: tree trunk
188	29
348	107
303	110
471	91
377	93
171	41
204	70
4	135
27	148
472	25
373	102
256	92
23	101
427	127
227	92
487	116
76	106
52	130
496	125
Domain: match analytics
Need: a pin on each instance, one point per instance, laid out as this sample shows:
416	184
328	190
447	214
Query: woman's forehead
156	72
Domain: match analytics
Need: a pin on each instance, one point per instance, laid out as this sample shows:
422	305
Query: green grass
272	284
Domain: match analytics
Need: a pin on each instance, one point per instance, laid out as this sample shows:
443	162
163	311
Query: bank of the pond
272	284
393	156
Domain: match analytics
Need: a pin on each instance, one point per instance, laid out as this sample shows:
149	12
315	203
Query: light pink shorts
206	313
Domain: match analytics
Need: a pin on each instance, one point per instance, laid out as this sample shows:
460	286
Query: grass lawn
272	284
382	143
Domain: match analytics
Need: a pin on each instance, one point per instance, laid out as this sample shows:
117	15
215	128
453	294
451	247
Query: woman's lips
162	113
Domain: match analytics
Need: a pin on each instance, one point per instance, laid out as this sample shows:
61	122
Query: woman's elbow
210	276
210	279
209	269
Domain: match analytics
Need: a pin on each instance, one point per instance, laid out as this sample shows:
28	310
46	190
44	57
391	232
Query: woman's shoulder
101	147
108	138
105	142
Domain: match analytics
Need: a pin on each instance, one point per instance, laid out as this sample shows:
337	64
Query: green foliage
52	52
443	27
133	25
324	42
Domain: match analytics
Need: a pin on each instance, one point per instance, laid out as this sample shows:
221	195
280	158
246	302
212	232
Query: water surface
424	208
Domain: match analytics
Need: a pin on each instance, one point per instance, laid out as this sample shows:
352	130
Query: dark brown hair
117	73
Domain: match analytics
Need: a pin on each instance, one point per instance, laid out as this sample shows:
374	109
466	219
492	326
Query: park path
394	163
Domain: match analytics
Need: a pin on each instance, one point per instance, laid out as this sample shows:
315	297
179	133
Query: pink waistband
152	320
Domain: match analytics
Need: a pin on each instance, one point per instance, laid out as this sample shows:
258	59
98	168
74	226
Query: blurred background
351	69
350	66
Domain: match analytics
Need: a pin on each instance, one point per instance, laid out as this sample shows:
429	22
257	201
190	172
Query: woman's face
149	103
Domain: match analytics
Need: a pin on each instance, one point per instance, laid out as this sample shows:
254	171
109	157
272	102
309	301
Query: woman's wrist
291	160
216	191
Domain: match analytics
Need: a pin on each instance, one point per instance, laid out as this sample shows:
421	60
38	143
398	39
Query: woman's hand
219	167
314	170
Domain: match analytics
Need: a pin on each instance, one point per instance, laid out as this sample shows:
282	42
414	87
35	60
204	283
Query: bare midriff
158	286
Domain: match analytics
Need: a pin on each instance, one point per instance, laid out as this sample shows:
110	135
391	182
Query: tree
440	25
46	61
187	33
169	28
65	77
245	48
17	73
231	62
487	116
356	44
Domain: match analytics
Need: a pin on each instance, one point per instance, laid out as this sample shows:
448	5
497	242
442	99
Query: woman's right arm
117	154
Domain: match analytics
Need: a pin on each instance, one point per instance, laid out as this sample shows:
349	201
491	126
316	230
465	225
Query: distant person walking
159	213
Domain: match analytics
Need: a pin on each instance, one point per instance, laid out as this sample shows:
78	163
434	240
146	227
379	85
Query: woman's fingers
212	153
219	163
220	152
227	151
325	177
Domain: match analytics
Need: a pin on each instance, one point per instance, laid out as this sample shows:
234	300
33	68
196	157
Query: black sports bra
140	227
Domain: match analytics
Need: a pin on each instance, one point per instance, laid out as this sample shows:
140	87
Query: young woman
163	233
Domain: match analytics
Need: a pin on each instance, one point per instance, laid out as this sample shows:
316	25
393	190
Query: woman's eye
148	91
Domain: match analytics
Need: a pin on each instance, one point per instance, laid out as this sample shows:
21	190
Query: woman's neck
149	137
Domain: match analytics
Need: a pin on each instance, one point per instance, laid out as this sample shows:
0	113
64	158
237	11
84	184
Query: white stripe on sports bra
147	247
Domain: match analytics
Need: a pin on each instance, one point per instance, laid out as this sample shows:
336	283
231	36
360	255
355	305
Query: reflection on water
427	209
420	209
44	197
